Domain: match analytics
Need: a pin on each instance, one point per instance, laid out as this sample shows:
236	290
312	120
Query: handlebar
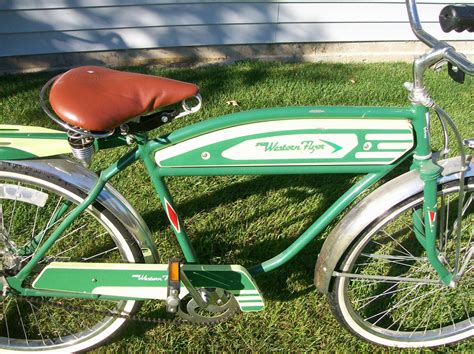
450	53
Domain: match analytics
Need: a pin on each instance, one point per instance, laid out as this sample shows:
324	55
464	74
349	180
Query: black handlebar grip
457	17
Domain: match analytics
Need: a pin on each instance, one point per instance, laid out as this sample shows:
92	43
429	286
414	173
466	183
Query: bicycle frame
156	156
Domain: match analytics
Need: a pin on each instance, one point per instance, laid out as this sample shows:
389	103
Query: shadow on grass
256	251
215	81
295	279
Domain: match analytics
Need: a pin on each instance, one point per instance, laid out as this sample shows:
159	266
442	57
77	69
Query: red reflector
432	215
172	216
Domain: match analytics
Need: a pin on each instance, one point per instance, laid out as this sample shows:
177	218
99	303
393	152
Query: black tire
405	312
95	236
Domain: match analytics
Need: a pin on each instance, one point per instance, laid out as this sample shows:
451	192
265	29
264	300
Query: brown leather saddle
100	99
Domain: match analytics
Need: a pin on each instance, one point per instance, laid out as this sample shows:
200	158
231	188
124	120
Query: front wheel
385	289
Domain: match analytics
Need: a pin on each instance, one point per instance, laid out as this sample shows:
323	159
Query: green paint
309	144
334	210
165	197
429	173
16	281
420	125
31	246
424	228
93	279
10	153
57	276
333	145
194	162
211	155
272	170
25	142
276	114
12	134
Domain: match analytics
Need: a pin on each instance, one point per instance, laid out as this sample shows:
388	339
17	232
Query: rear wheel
386	291
31	206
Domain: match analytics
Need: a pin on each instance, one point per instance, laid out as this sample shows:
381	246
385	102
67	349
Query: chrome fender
75	174
370	208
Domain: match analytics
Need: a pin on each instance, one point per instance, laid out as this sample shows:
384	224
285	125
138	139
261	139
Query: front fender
75	174
370	208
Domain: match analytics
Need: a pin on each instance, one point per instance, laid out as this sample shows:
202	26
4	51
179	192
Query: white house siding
29	27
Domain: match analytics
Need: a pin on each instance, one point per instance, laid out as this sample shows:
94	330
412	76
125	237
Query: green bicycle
77	259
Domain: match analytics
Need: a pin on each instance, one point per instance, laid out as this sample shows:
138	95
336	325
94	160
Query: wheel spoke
37	322
93	236
99	254
5	318
401	303
10	230
2	222
71	233
389	292
69	249
405	314
378	296
389	260
21	321
33	230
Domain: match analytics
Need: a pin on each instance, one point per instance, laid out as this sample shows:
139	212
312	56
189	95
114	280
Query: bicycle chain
137	318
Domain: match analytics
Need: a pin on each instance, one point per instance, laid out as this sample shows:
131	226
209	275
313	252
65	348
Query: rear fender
75	174
24	142
369	209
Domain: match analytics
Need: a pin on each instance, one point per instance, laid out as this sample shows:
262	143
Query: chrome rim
27	207
402	298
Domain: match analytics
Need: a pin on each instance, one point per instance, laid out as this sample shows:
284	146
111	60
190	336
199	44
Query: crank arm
192	290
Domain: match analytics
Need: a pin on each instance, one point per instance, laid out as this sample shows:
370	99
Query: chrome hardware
196	294
422	63
419	95
190	110
125	131
172	301
449	53
82	147
469	143
4	286
439	65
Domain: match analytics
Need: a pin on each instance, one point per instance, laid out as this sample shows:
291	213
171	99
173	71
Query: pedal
174	285
469	143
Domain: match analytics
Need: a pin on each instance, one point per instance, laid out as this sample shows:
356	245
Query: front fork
425	220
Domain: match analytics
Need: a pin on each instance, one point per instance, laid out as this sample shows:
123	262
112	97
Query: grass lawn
248	219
